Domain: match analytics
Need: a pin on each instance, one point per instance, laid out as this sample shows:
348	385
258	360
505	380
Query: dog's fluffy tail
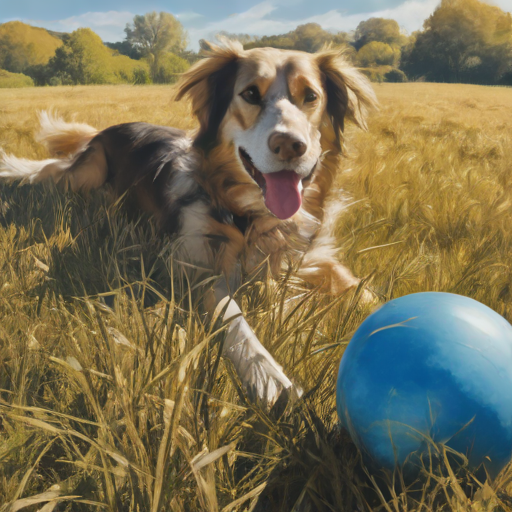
62	138
31	171
83	165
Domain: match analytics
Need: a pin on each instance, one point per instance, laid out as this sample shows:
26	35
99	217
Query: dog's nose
286	146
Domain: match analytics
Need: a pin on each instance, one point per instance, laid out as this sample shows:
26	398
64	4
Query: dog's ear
209	84
349	93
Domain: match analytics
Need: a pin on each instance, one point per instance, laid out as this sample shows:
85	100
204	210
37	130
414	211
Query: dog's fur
263	113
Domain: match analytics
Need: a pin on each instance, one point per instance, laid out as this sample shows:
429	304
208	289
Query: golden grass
111	389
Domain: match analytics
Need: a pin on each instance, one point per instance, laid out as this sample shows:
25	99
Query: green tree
169	69
381	30
125	48
154	35
377	54
309	37
84	59
395	76
462	41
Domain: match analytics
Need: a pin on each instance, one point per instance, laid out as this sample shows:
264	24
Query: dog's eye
252	95
310	97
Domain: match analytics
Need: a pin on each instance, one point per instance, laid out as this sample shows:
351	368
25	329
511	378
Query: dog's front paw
262	378
266	383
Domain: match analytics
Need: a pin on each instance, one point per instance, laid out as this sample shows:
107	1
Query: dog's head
278	110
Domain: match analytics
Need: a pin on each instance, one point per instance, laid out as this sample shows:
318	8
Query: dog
250	186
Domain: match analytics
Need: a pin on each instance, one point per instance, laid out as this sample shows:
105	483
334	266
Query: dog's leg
261	376
209	244
322	270
320	266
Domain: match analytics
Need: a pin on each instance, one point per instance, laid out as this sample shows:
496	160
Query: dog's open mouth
256	175
281	190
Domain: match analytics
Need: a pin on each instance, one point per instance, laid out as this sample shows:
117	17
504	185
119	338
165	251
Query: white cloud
411	14
109	25
185	17
506	5
256	21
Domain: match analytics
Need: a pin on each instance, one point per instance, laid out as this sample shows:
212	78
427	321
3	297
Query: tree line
466	41
152	52
463	41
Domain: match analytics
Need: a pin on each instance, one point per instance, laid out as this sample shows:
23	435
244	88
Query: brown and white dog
250	186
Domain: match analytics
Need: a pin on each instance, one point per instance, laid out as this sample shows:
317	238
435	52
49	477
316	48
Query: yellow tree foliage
378	54
170	67
84	59
463	41
22	45
379	29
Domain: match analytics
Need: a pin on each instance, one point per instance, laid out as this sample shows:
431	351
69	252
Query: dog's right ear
209	84
349	93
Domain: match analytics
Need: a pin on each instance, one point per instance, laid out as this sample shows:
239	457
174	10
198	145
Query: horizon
204	21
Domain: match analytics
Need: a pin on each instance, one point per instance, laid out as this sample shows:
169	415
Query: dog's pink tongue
283	196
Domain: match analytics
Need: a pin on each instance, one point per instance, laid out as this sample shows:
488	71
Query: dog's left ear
349	93
209	84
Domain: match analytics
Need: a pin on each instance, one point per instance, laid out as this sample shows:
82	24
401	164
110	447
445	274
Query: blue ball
429	366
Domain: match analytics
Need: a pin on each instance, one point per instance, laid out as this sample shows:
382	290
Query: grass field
128	408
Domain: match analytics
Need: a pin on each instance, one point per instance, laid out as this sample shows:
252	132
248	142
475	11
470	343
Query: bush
14	80
170	68
126	70
395	76
141	76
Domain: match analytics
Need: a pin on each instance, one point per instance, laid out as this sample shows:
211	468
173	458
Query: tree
309	37
395	76
377	54
462	41
155	34
84	59
22	46
381	30
125	48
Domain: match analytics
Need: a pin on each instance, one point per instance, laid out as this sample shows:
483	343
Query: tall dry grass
112	393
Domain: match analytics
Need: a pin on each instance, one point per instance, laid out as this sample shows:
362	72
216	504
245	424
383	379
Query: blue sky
204	18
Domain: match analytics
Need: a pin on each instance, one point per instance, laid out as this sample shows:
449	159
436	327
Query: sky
204	18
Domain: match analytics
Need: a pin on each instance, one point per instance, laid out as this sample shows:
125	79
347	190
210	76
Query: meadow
112	393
